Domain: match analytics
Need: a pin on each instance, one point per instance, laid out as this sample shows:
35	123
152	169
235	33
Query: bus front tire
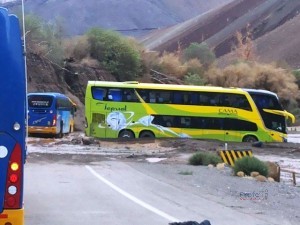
126	134
147	134
250	139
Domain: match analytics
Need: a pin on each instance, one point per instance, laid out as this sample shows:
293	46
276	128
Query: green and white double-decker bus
145	110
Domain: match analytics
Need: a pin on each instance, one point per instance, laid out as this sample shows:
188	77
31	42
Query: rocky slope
44	76
219	26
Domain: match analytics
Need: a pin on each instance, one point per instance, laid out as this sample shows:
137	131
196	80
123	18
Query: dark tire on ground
126	134
60	134
250	138
147	134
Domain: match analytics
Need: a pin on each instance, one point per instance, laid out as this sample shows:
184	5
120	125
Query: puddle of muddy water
154	160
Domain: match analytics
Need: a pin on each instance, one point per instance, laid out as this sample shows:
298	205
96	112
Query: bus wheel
126	134
60	134
250	138
147	134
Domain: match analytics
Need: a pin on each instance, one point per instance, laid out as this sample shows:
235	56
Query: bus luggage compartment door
98	125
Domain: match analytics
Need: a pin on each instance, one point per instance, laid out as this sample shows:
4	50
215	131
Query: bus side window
159	98
163	96
144	94
129	96
152	97
177	97
114	95
98	93
203	99
194	99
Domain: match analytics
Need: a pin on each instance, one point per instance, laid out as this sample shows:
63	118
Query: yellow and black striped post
229	156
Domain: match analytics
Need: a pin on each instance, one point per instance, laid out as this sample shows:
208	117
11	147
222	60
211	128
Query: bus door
232	132
212	128
98	125
107	125
190	127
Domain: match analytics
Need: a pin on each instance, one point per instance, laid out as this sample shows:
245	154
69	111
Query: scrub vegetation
204	158
250	164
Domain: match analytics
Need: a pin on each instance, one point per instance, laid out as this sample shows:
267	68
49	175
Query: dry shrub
255	75
133	43
37	48
281	81
194	66
90	62
150	60
244	48
170	64
204	158
239	75
77	47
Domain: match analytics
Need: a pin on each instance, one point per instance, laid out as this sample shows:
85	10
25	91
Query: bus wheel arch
147	134
128	134
250	138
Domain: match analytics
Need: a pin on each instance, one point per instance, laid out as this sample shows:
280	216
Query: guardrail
293	129
293	173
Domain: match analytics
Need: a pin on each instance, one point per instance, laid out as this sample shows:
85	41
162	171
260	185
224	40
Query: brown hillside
199	28
130	17
218	27
282	44
44	76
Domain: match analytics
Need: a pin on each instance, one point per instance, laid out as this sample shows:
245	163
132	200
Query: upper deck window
265	101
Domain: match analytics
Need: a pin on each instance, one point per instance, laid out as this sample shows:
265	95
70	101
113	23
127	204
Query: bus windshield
264	100
36	101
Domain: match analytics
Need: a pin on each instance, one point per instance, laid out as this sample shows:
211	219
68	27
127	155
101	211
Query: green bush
249	164
116	53
201	52
204	158
193	79
44	38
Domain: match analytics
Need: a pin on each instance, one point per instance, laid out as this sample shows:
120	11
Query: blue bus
50	113
13	120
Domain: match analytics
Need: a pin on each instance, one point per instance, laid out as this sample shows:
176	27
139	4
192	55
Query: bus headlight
17	126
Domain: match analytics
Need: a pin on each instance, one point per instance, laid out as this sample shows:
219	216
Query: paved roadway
115	193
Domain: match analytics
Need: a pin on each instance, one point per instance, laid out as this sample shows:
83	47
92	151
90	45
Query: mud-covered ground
168	151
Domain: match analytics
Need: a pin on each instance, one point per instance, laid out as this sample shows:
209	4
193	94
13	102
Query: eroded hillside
218	27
